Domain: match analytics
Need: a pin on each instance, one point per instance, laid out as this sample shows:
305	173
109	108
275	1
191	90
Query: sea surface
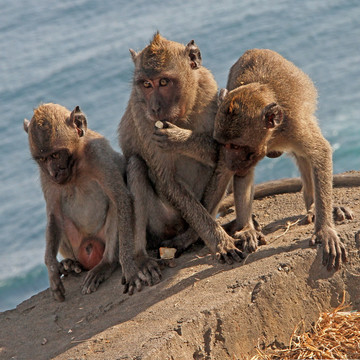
75	52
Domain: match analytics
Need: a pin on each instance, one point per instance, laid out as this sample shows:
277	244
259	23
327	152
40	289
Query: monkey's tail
289	185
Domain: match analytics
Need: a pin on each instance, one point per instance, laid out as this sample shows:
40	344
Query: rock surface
201	309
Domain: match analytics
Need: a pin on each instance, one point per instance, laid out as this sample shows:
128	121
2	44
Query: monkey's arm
144	199
120	196
53	236
214	236
334	251
199	146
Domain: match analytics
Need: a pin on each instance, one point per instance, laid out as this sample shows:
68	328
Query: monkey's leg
214	236
244	229
144	198
333	249
214	193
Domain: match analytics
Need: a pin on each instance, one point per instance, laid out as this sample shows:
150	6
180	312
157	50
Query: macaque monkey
166	137
267	109
89	208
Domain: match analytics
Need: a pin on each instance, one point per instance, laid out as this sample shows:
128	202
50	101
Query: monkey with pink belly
89	209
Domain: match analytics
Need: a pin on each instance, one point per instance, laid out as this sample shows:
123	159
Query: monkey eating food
166	137
88	205
267	109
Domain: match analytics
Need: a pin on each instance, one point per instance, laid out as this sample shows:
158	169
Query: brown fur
87	203
171	169
269	109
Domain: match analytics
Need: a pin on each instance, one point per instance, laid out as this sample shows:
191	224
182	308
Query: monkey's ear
222	95
26	125
78	119
133	54
272	115
194	54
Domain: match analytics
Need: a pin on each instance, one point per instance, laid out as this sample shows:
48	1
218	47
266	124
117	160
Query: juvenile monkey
267	109
171	164
88	205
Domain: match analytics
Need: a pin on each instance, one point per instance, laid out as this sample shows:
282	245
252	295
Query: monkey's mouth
61	177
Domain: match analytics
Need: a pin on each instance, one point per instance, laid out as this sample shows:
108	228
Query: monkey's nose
156	110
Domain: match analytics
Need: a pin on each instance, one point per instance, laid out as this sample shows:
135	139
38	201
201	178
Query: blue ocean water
75	52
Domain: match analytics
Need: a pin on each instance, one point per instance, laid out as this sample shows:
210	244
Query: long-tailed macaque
267	109
173	98
89	208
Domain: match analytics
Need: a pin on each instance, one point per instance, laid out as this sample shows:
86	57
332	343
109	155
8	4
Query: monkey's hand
56	286
133	278
248	239
333	249
149	272
68	266
171	137
97	275
226	251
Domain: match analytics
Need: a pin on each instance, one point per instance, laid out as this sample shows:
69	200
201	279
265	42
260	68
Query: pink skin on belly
88	250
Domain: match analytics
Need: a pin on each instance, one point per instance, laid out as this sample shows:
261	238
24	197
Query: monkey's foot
249	239
226	251
68	266
150	268
341	213
97	275
308	218
334	251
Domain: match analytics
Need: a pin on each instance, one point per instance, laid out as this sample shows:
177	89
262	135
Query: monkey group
183	144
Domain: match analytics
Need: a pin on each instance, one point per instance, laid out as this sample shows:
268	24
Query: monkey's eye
55	155
163	82
147	84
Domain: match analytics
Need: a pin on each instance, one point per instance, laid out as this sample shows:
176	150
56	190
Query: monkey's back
289	84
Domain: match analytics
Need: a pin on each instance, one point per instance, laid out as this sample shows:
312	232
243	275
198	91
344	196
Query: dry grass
336	335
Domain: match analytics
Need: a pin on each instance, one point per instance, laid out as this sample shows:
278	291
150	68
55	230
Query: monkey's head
166	79
245	122
55	139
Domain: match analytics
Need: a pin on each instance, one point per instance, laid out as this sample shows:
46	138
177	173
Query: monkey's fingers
307	219
341	213
262	240
69	265
334	251
132	285
152	272
228	259
249	240
230	256
338	214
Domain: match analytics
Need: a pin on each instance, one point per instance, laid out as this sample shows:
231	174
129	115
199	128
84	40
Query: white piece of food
159	124
167	253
